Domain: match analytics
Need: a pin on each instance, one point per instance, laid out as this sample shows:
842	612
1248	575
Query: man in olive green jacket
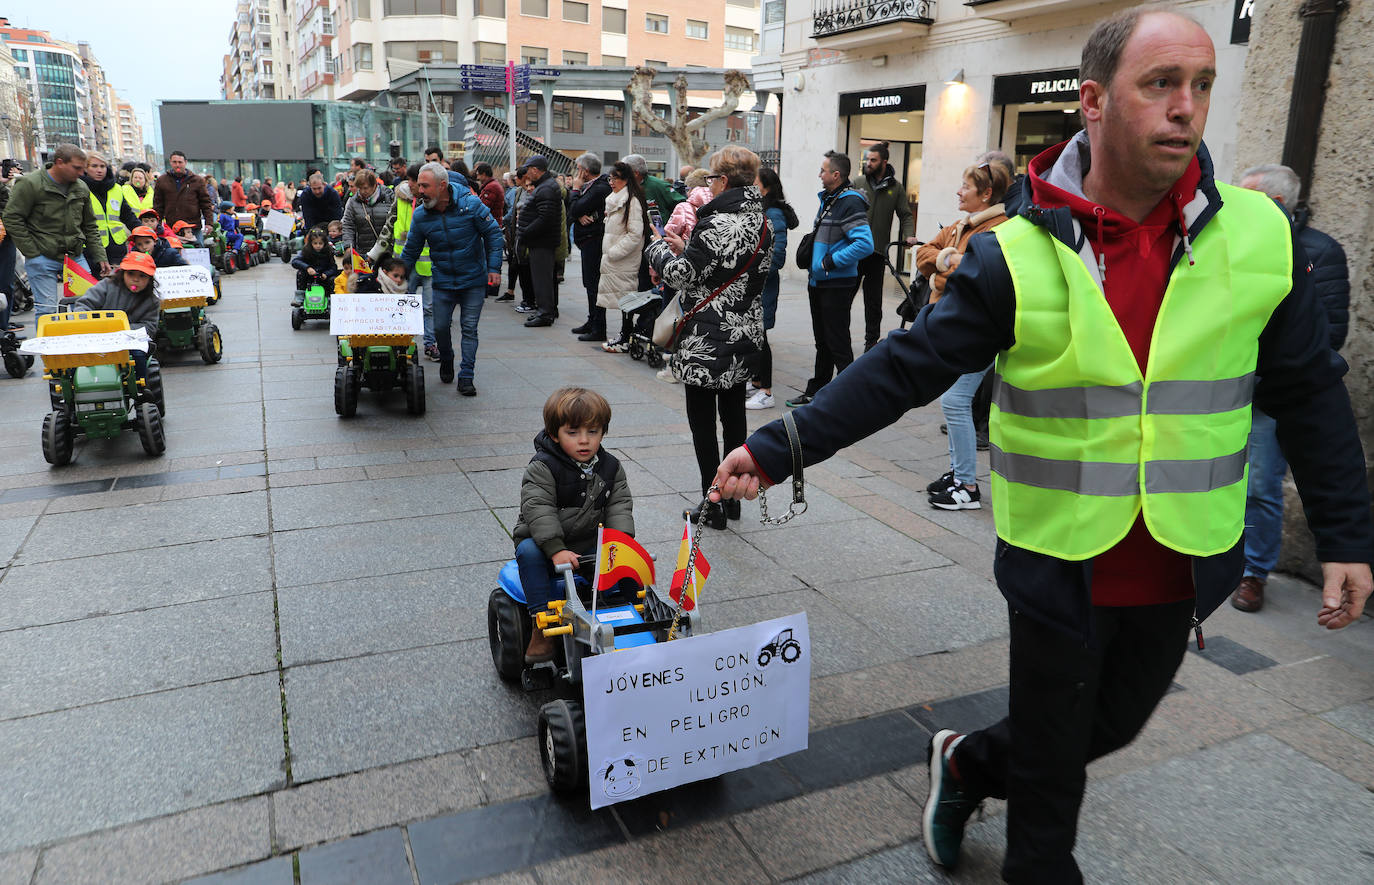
49	215
886	198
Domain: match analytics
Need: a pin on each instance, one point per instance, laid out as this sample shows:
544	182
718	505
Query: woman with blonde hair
980	199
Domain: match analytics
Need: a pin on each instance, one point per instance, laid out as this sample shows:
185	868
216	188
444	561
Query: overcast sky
150	49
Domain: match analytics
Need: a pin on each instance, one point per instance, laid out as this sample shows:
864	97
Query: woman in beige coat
621	248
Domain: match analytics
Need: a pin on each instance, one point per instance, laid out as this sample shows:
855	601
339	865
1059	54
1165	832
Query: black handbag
803	257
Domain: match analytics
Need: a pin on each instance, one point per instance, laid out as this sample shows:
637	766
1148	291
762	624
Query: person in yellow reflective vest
138	193
422	277
1136	308
113	215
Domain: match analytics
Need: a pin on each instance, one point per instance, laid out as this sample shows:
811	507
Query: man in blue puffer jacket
842	239
1331	281
465	252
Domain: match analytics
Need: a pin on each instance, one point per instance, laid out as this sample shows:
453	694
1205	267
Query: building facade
942	81
56	77
261	61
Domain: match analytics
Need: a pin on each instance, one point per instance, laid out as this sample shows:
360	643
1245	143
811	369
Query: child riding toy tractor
379	363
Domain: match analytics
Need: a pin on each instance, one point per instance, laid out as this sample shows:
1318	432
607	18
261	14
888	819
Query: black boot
731	508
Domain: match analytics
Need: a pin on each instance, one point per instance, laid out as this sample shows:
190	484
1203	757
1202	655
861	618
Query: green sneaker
948	806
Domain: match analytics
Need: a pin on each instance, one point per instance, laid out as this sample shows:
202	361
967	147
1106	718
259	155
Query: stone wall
1342	184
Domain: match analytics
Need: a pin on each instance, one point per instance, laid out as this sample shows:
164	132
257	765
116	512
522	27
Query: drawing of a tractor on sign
782	646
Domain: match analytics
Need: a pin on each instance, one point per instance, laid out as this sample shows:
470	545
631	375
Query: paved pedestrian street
262	657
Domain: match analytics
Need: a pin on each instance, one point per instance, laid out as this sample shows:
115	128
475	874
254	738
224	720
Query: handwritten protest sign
197	257
186	281
93	343
279	223
668	714
375	313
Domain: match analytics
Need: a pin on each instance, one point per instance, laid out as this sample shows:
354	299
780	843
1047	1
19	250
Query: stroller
644	308
917	295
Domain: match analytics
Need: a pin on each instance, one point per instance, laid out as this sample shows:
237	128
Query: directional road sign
545	72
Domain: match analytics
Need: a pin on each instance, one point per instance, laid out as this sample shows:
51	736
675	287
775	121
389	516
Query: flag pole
596	579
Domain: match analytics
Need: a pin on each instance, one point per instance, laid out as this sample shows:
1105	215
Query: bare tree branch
684	133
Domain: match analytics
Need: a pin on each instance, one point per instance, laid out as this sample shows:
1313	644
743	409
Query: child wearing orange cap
130	288
142	239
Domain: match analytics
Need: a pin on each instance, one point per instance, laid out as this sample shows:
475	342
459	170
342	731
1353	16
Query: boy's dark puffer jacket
571	527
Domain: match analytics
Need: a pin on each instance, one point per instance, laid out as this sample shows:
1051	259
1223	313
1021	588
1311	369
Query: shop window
614	117
490	9
575	12
741	39
537	8
574	58
567	117
655	23
612	20
698	30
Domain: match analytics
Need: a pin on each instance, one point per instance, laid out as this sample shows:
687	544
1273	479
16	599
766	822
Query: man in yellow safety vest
1136	309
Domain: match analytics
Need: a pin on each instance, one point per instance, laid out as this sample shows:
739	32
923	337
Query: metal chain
792	511
691	561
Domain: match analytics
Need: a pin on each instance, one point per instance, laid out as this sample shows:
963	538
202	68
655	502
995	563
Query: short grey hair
1277	181
591	162
638	165
314	177
435	169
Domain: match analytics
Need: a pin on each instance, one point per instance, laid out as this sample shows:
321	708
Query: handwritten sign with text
186	281
279	223
668	714
197	257
93	343
375	313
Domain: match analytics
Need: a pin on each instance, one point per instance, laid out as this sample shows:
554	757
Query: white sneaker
761	400
666	374
750	388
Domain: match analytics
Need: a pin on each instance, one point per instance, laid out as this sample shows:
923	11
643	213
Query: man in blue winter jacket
464	241
842	239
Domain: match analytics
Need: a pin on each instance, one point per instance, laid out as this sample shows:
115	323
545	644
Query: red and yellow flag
681	590
360	264
621	557
75	279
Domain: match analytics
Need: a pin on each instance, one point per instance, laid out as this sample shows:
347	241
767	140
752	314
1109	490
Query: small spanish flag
75	279
360	264
621	557
701	569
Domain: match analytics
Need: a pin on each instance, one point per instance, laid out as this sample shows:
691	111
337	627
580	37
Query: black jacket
1330	277
322	262
537	226
165	256
319	211
1300	386
590	200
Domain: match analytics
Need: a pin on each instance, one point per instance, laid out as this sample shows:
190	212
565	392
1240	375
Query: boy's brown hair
576	407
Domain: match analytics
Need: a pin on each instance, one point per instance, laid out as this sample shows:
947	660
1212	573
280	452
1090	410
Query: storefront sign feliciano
883	101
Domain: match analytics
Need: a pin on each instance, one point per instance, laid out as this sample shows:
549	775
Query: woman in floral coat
724	264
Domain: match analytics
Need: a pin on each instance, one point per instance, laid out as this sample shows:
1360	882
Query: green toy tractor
380	363
183	325
312	304
98	395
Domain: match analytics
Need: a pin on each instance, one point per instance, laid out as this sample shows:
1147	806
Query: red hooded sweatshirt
1136	260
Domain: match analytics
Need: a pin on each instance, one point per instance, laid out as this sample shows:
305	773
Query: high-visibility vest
1081	442
401	229
112	230
139	205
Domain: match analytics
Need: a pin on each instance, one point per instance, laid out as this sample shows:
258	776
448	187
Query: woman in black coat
719	275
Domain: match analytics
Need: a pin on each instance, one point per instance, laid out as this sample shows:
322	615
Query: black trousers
591	278
873	273
8	259
830	307
512	270
703	405
763	365
542	278
526	280
1069	705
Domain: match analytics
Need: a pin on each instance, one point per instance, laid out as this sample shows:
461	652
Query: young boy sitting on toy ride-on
314	264
142	239
570	487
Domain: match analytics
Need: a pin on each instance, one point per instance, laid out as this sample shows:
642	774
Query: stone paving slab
144	526
356	714
87	586
366	550
372	500
72	772
842	552
100	659
274	871
378	858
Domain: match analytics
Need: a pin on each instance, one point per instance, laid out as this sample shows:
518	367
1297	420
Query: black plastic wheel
563	745
230	261
15	365
345	391
152	383
508	633
57	439
636	349
297	318
150	433
413	380
286	253
210	343
654	357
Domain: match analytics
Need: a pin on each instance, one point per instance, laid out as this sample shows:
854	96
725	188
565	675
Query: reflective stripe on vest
1082	443
401	229
107	217
139	205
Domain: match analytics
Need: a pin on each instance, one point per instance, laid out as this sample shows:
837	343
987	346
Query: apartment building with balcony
944	80
261	63
56	79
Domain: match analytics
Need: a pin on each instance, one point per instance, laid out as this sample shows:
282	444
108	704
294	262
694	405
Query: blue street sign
545	72
483	69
